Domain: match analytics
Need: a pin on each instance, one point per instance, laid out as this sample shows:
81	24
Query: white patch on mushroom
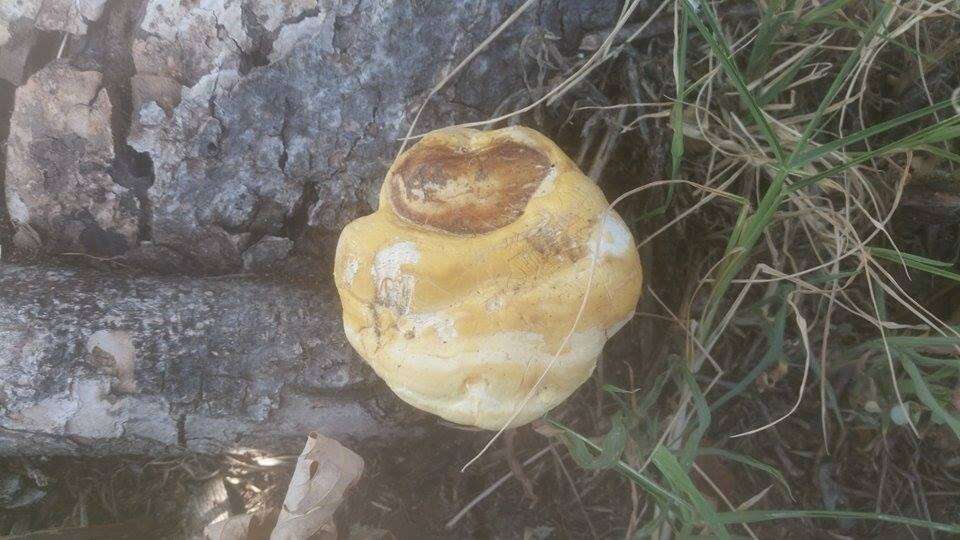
387	262
616	239
350	270
494	304
440	322
619	324
418	194
546	185
467	392
520	134
395	290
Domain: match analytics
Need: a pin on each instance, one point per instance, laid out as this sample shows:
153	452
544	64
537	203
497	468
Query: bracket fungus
462	287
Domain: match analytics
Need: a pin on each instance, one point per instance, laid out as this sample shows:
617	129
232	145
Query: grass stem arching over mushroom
460	289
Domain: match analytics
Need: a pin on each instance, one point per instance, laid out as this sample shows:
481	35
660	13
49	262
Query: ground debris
324	472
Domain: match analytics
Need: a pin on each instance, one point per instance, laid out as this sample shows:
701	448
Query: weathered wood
94	363
209	137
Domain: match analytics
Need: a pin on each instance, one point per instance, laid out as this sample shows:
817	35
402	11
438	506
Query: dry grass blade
818	177
804	336
491	488
600	56
463	63
583	304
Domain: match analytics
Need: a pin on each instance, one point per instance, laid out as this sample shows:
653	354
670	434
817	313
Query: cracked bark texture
204	138
59	191
25	24
238	121
97	363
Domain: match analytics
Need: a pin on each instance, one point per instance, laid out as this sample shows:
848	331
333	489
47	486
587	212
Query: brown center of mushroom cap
467	191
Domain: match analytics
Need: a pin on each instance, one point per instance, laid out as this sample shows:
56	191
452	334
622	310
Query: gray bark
95	363
216	124
207	138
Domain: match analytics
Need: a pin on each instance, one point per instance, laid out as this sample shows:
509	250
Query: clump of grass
781	128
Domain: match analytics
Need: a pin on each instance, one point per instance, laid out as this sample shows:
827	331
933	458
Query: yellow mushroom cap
460	289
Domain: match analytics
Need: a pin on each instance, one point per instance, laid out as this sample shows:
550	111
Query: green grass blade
940	152
816	121
930	361
747	238
680	79
822	12
926	396
874	130
911	342
740	224
775	335
883	36
785	79
653	394
670	468
928	135
749	462
710	30
692	443
639	478
756	516
930	266
899	256
610	449
762	49
773	196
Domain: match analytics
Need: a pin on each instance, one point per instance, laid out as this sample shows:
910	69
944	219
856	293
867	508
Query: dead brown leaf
325	471
249	526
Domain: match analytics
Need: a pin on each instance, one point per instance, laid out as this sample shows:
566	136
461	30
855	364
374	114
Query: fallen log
100	363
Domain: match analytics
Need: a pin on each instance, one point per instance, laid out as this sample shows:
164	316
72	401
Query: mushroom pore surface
466	190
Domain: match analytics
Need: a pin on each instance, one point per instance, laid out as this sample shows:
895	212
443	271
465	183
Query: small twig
598	243
509	439
490	489
576	493
63	44
503	26
805	338
723	496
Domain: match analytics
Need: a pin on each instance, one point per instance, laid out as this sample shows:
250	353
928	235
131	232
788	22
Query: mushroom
460	290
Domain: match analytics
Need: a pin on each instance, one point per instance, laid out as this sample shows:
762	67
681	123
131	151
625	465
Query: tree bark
218	136
207	138
97	363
